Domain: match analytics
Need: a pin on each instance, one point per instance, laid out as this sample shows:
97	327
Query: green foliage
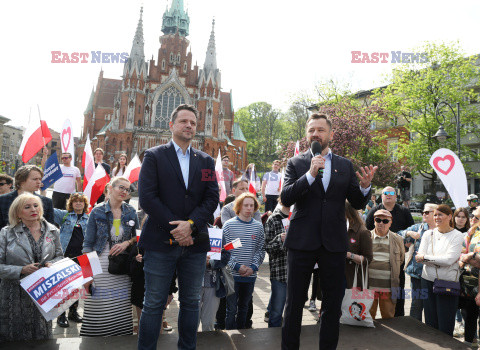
417	89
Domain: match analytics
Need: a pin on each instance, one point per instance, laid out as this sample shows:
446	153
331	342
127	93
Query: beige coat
397	257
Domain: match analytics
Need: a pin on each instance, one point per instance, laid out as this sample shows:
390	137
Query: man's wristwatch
192	224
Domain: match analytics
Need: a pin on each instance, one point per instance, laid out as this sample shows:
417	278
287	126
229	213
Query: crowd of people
316	223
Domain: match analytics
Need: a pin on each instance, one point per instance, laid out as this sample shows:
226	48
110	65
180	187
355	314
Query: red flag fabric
132	170
90	264
251	183
96	184
35	137
88	162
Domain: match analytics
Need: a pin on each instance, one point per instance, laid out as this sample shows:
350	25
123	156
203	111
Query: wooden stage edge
404	333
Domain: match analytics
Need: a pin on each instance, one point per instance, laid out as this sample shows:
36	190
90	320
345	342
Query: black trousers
400	305
60	200
470	317
271	202
332	274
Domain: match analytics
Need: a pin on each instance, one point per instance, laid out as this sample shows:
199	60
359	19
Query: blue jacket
413	269
100	224
66	225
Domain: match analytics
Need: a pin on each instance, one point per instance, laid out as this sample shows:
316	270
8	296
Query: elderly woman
110	231
413	237
439	252
26	244
73	225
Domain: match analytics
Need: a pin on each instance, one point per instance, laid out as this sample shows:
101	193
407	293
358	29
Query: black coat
319	218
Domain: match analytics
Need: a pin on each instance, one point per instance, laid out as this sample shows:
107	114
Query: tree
414	93
353	138
263	128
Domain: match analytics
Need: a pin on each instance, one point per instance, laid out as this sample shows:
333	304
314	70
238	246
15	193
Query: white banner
450	171
216	235
55	288
66	139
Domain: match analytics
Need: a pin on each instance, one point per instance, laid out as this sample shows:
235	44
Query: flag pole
41	129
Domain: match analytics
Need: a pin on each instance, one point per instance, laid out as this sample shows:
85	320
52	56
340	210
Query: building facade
132	114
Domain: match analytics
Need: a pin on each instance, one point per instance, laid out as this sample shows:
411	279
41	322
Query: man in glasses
65	186
401	219
472	200
384	270
6	184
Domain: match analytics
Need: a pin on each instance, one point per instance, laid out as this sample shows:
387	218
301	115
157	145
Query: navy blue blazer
319	218
7	199
164	197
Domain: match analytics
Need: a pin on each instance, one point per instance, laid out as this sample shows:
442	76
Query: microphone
200	238
317	149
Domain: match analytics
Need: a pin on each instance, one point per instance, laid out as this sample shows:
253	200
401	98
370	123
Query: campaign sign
51	171
286	224
50	286
216	235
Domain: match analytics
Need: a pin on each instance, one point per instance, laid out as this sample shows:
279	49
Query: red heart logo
441	164
66	132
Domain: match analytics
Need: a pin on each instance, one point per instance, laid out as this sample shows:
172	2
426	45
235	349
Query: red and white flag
220	180
133	169
96	184
139	232
297	149
88	163
36	136
90	264
251	182
236	243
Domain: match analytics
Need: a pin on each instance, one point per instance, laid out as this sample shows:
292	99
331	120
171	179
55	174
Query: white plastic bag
356	303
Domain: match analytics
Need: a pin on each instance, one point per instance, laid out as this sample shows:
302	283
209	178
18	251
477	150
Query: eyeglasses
474	200
389	193
385	221
124	189
65	157
426	212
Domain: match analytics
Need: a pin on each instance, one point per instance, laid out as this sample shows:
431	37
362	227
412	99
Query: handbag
227	280
444	287
356	304
119	264
469	283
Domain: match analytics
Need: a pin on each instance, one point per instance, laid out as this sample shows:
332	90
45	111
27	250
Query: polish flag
139	232
282	179
133	169
96	184
220	180
36	136
297	149
251	183
90	264
88	162
236	243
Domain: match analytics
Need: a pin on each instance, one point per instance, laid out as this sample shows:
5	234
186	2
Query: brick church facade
132	114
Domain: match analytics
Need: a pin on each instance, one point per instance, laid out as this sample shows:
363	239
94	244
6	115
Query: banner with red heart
66	138
450	171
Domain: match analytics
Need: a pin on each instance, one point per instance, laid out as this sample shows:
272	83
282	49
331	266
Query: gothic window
171	56
139	123
139	109
166	103
208	124
185	67
121	145
163	64
178	58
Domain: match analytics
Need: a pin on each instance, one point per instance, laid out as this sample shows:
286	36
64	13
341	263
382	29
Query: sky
267	50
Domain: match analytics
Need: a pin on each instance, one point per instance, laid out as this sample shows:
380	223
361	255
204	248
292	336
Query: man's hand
477	299
419	258
208	260
248	272
413	234
316	164
366	177
183	233
466	257
283	236
242	270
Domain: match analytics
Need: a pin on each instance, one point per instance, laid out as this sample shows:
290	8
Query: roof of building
227	102
104	129
107	92
229	142
238	133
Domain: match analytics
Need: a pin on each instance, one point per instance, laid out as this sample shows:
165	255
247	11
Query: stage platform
403	333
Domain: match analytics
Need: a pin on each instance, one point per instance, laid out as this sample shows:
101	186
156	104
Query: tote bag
356	303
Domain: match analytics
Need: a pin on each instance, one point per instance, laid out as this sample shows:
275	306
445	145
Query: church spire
90	103
175	19
211	57
137	53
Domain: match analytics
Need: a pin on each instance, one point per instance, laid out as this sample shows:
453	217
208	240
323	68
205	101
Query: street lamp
441	134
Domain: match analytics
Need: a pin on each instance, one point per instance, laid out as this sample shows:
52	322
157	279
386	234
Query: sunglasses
65	157
426	212
389	193
385	221
474	200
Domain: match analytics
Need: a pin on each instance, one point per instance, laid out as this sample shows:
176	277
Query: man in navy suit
318	232
179	192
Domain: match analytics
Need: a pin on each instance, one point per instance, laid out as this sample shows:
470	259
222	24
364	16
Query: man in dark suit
318	232
179	192
28	178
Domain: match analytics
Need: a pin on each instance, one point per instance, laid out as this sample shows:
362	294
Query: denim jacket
66	226
413	268
100	224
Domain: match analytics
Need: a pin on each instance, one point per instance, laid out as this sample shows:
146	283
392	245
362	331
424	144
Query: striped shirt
379	270
252	251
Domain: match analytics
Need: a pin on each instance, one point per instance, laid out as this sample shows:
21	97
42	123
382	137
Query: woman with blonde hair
110	231
27	244
73	226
